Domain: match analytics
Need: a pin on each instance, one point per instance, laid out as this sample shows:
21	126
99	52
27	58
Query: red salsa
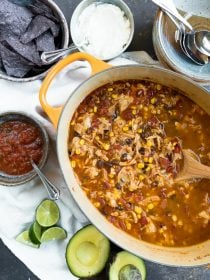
19	142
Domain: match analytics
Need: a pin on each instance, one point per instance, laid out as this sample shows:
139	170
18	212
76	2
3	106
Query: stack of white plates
168	50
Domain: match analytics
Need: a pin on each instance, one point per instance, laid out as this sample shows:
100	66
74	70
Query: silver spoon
202	41
170	8
181	37
52	56
53	191
179	32
193	52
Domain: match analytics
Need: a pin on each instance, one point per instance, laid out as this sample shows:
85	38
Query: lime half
53	233
35	233
47	213
24	238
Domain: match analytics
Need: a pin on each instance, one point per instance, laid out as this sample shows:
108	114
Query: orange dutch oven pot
103	73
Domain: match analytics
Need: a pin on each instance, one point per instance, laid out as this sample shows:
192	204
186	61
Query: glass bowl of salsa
22	139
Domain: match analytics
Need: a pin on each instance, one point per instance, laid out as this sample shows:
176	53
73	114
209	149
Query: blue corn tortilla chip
21	2
27	27
45	42
13	63
14	19
27	51
39	8
3	34
1	63
38	26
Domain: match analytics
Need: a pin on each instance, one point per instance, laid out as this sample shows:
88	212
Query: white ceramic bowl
168	50
83	5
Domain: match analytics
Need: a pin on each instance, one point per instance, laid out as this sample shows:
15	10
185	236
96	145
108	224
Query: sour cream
102	30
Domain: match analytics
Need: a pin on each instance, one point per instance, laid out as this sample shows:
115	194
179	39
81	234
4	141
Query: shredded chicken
124	102
91	172
205	215
150	227
103	126
126	177
101	154
81	128
111	199
150	199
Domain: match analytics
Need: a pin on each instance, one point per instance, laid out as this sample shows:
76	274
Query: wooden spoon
192	168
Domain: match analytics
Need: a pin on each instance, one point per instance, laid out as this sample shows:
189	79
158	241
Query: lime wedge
24	238
35	233
47	213
53	233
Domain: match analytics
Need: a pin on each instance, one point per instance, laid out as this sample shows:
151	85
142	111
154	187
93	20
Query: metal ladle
190	46
53	191
202	41
180	32
187	38
186	45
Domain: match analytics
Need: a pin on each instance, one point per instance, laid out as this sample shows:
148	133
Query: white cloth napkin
18	204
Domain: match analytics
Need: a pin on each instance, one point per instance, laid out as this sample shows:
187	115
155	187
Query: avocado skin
67	261
104	274
124	259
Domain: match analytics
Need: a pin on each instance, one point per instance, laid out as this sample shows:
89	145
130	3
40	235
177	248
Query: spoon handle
53	191
170	7
199	170
52	56
180	27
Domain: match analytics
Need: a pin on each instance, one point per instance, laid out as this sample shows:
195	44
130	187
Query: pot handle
96	66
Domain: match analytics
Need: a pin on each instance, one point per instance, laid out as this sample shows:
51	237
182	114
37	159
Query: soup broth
125	146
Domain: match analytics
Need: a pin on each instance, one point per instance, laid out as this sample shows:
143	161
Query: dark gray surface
10	267
143	11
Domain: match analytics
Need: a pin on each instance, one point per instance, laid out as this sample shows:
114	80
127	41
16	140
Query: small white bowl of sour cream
101	28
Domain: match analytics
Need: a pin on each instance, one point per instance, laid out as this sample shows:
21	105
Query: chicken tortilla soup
125	146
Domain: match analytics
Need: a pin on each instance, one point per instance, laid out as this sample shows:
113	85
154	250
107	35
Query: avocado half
127	266
87	252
